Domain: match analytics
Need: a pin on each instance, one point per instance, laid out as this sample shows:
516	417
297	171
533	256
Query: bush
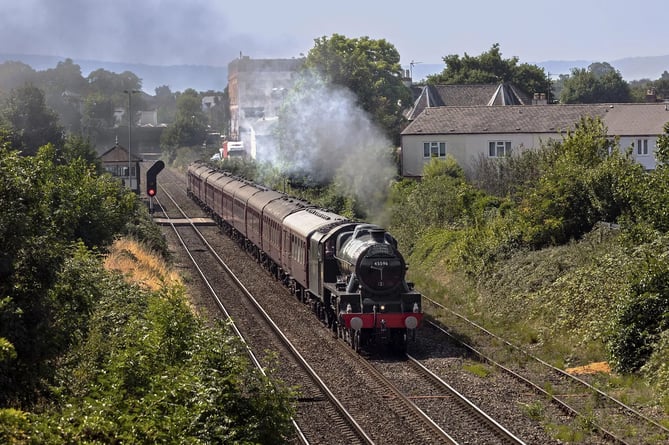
642	316
151	372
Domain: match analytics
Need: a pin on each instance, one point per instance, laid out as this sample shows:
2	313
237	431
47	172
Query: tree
598	84
63	87
584	179
48	206
166	103
371	70
488	68
190	124
31	122
110	84
14	75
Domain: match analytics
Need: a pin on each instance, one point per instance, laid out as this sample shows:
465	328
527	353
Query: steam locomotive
351	273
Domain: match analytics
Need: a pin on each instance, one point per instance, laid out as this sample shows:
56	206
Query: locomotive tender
351	273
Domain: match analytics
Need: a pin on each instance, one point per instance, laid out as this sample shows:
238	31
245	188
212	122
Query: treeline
93	105
501	224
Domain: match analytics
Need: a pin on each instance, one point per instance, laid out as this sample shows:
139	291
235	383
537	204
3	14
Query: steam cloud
322	132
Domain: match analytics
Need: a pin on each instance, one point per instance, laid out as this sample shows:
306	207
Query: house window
434	149
642	147
499	149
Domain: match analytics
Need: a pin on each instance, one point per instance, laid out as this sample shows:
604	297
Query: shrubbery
87	358
581	197
150	372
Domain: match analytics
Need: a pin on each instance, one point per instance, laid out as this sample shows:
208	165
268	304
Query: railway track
314	392
377	406
614	420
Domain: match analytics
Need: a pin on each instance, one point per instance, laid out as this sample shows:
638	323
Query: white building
468	132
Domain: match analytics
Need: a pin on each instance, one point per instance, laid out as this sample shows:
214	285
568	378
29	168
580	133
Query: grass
140	265
556	303
478	369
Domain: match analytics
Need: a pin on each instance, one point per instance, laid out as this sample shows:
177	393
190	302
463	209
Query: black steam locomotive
351	273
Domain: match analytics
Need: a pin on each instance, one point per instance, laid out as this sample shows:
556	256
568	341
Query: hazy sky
213	32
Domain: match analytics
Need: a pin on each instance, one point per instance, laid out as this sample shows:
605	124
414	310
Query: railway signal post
152	182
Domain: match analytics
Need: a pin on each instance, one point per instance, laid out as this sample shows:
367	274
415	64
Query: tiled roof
637	119
466	95
118	154
620	119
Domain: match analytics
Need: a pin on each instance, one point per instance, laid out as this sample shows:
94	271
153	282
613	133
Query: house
148	118
428	96
256	90
468	132
115	161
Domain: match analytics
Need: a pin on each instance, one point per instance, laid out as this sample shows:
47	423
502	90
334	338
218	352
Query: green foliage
150	372
641	317
13	426
662	151
488	68
369	68
14	75
510	175
78	147
581	184
443	167
580	287
656	369
600	83
30	121
51	210
189	127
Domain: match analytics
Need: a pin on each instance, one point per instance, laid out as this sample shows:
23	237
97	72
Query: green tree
63	88
642	317
111	84
598	84
98	114
371	70
166	103
30	121
190	124
14	75
584	179
488	68
48	205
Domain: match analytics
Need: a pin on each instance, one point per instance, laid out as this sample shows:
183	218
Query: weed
477	369
534	410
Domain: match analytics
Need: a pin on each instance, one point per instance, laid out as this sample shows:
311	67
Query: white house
467	132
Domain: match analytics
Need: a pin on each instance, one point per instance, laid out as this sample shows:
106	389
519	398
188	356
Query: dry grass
592	368
140	265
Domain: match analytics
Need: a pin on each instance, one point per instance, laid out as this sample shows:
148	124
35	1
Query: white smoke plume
323	134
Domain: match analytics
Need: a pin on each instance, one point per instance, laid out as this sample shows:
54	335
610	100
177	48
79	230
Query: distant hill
177	77
210	77
631	68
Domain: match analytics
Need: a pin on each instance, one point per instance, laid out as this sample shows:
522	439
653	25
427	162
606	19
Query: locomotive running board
184	221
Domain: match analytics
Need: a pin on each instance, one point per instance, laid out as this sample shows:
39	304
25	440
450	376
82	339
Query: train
351	273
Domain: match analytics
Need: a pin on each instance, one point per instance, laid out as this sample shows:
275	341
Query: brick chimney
539	99
651	95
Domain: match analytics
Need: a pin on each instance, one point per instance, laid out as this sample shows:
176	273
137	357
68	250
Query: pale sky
213	32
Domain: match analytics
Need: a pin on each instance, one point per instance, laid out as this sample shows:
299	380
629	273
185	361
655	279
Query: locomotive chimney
378	235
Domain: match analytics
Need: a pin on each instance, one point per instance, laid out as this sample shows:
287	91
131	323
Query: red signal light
151	192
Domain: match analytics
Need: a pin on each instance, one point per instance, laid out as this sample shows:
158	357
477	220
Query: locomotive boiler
351	273
374	300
